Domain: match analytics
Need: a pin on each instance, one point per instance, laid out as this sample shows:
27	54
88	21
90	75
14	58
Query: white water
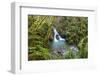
57	37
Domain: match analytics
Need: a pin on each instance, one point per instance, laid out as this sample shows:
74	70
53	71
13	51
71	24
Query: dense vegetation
40	36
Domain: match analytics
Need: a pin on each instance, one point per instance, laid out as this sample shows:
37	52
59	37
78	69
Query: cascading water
59	44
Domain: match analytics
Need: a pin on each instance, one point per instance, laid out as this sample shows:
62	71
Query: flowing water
59	43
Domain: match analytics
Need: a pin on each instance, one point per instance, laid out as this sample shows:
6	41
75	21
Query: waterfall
57	37
59	44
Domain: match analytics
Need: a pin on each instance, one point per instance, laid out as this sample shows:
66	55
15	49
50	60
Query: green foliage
40	36
74	28
69	55
38	53
83	46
